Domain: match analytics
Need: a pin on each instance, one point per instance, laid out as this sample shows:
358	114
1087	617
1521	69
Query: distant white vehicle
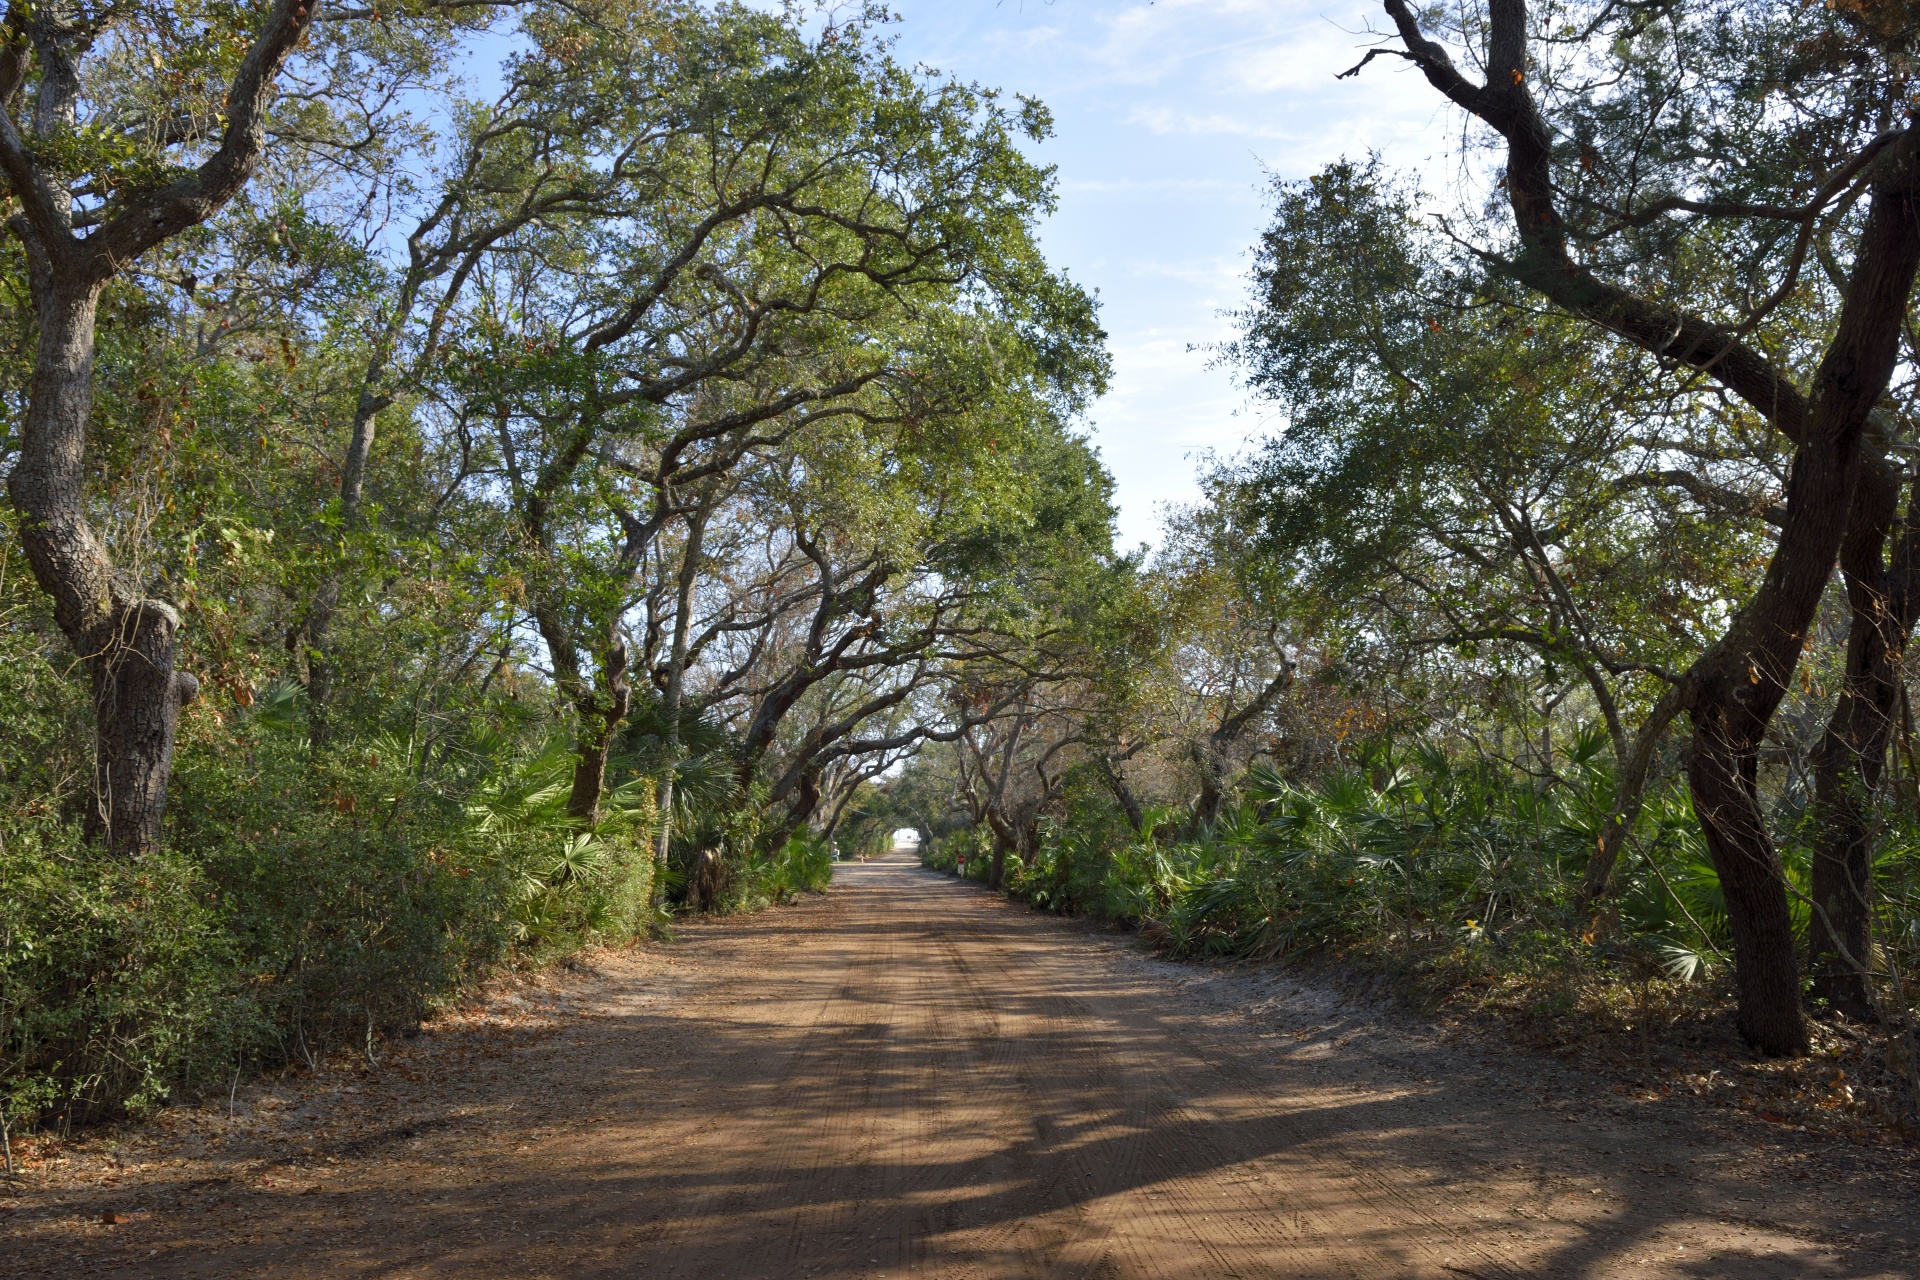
906	840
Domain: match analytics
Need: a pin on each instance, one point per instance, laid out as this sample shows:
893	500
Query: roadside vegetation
520	468
1547	654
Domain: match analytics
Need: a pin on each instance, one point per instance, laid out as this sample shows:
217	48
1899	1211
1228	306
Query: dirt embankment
909	1077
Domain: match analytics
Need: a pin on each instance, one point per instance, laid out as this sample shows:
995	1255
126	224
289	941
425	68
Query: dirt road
909	1077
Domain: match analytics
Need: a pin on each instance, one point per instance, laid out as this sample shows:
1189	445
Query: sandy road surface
909	1077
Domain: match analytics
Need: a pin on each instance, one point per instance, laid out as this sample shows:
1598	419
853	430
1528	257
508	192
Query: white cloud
1177	120
1212	273
1170	115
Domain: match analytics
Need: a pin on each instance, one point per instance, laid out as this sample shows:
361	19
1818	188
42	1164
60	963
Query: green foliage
296	910
690	251
804	864
571	886
1423	860
116	981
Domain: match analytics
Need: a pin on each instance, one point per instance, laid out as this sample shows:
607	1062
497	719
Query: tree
1597	160
1461	471
94	195
556	145
831	247
1233	656
114	159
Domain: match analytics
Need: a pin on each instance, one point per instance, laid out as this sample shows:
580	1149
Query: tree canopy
447	527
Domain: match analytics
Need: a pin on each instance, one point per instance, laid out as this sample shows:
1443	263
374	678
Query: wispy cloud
1176	120
1171	115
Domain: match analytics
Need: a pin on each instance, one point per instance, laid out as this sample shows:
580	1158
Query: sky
1171	119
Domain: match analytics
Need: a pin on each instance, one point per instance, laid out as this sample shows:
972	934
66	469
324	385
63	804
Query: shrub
117	979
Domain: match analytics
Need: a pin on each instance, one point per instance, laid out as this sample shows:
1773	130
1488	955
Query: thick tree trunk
137	697
806	801
1736	686
997	864
1010	835
590	770
1206	810
1766	976
1739	683
1745	676
1852	753
1735	689
128	641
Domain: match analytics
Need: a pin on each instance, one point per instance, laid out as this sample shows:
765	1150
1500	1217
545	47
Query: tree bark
1741	681
1851	755
137	697
805	802
127	641
675	691
1211	755
1206	809
353	484
600	718
1123	793
1629	791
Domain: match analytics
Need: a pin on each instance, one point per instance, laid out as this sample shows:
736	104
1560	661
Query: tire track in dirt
912	1077
1247	1236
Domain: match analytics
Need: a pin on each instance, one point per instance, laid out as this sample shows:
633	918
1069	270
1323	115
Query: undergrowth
1451	883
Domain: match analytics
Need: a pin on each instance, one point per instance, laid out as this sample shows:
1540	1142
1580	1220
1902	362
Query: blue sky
1170	116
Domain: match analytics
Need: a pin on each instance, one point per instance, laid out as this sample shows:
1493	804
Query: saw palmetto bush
570	885
1425	859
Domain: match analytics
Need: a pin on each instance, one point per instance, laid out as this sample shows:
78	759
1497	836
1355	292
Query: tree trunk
137	697
1738	684
1744	677
1206	810
1735	690
1123	793
676	679
353	484
1212	754
1766	977
1851	755
1008	836
600	718
1629	791
590	769
128	642
997	864
805	802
